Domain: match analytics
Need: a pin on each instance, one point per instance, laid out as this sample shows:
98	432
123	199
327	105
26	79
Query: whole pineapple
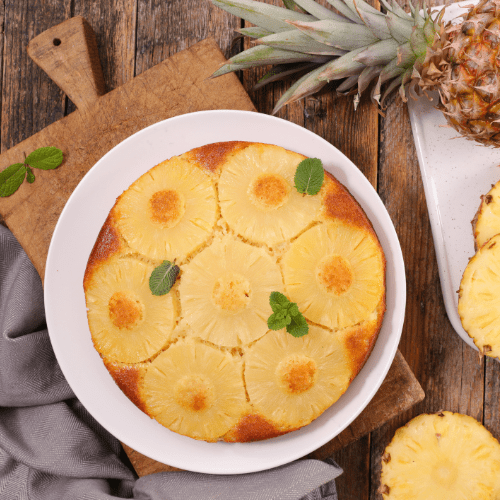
359	45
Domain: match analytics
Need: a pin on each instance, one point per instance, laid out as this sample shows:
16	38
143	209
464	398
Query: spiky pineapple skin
249	264
443	455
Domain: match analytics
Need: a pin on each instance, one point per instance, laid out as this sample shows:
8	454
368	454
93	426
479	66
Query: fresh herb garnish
309	176
286	314
43	158
162	279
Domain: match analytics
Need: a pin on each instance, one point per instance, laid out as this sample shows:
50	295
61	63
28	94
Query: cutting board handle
68	54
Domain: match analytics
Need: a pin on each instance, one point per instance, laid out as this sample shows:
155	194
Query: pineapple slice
195	390
479	298
291	381
486	223
336	274
128	323
169	212
258	198
446	455
224	292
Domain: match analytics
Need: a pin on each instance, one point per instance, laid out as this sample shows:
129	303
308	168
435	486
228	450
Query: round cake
275	304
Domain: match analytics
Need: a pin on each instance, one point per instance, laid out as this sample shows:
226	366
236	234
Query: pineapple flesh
127	322
440	456
225	289
291	381
335	273
479	298
195	390
486	223
257	195
169	212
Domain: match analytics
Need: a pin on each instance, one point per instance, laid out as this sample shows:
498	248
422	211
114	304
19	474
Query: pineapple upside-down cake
202	359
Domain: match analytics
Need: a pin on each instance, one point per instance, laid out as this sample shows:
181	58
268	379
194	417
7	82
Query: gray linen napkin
52	448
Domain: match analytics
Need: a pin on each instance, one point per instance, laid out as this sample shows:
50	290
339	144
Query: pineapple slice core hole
297	373
269	191
334	274
194	393
167	207
231	293
125	310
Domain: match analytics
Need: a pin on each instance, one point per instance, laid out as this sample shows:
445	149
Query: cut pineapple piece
128	323
291	381
258	198
479	298
195	390
336	274
169	212
225	289
486	223
435	457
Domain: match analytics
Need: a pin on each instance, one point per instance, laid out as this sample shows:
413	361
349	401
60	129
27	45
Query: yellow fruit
335	272
225	289
291	381
128	323
441	456
169	212
195	390
258	198
479	298
487	220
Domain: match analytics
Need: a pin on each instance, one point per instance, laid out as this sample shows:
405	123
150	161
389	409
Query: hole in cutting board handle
56	42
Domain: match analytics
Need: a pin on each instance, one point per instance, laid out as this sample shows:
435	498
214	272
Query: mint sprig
163	277
309	176
13	176
286	314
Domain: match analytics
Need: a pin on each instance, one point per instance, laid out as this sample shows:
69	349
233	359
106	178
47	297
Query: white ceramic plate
72	243
455	173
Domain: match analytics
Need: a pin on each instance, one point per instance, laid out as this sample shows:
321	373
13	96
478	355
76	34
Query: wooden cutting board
178	85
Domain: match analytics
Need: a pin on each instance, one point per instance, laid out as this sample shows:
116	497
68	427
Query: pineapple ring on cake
195	390
224	292
445	455
291	381
258	198
486	222
479	300
128	323
168	212
335	272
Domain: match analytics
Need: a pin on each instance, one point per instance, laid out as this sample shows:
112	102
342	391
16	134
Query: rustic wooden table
134	35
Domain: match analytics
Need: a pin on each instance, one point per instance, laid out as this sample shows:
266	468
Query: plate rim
389	233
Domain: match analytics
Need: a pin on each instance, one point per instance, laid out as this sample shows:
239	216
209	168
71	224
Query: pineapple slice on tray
486	222
441	456
169	212
195	390
127	322
291	381
257	195
224	292
479	298
335	273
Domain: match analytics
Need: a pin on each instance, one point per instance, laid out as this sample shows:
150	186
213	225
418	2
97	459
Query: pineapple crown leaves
286	314
359	44
163	277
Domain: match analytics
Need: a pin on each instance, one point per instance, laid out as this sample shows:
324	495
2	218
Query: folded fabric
52	448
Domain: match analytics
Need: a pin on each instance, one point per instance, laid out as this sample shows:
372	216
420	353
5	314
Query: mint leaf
30	177
11	178
278	301
309	176
275	323
162	279
45	158
298	326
